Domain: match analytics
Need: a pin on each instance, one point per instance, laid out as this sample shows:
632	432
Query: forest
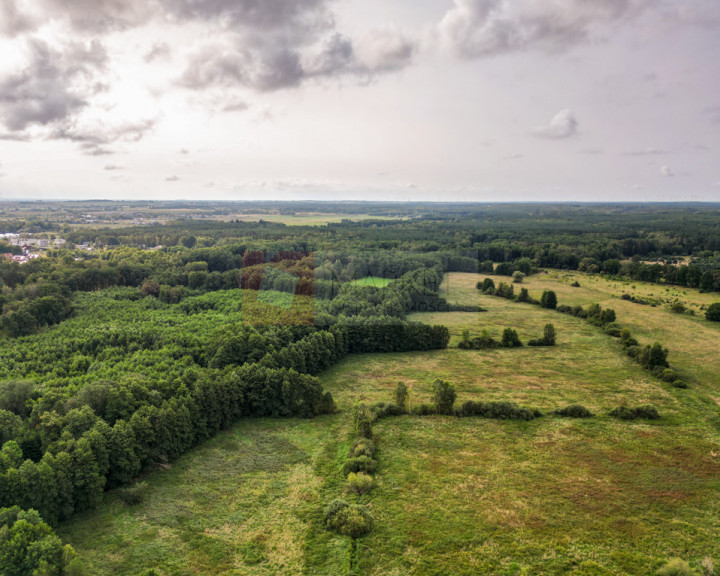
129	347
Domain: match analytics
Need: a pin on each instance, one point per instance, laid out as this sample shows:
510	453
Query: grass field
373	281
307	218
247	502
458	496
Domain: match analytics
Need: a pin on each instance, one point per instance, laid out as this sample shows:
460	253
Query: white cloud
666	172
563	125
172	178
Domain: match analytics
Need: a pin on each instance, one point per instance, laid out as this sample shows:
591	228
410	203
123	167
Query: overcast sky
487	100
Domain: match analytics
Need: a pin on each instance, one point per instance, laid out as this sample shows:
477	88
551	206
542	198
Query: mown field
458	496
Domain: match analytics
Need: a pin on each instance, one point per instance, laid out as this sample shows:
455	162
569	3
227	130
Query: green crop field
458	495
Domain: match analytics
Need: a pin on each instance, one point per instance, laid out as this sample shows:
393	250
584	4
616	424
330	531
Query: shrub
580	312
677	307
424	410
498	411
607	316
443	396
488	286
713	312
594	311
548	300
575	284
352	520
510	339
518	277
362	447
524	295
679	384
384	409
624	413
470	408
565	309
361	421
504	269
505	291
484	341
633	351
133	495
669	375
627	339
613	330
648	412
359	464
549	335
676	567
574	411
360	483
654	356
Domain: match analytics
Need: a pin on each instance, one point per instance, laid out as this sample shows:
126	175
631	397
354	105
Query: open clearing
373	281
458	496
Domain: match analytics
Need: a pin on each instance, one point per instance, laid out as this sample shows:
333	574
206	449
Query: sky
438	100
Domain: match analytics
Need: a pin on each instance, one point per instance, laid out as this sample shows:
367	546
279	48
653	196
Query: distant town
30	248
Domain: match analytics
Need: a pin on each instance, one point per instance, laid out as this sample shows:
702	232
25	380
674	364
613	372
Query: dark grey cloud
254	14
267	65
52	86
476	28
96	16
563	125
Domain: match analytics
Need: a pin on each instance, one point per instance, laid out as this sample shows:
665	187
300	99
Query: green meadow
458	496
372	281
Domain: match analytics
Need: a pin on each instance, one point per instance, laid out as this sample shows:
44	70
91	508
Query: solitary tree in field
549	300
549	335
444	396
713	312
401	394
510	339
